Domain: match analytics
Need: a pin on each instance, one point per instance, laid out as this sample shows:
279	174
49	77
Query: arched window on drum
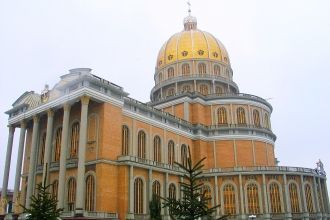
170	72
202	68
256	118
222	116
217	70
241	120
185	69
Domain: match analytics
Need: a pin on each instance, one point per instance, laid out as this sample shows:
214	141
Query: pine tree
43	205
155	208
194	203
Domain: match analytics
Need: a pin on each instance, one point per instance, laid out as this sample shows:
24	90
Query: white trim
71	97
180	132
219	101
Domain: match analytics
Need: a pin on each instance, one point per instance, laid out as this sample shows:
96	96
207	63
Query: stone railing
138	160
95	215
269	169
193	77
213	96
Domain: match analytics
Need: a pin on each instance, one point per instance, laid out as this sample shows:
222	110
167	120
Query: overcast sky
279	50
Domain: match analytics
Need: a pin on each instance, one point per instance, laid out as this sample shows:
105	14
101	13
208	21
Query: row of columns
265	197
47	158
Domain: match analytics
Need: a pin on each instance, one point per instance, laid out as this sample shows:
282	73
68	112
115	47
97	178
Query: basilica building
105	154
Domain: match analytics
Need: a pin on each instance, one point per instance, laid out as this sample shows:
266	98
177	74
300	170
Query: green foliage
155	208
193	204
43	204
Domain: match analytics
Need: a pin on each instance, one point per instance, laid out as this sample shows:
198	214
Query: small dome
191	43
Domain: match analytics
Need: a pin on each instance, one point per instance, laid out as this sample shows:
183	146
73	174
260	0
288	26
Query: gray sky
278	49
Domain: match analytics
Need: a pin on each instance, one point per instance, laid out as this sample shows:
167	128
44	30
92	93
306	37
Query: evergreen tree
43	205
194	203
155	208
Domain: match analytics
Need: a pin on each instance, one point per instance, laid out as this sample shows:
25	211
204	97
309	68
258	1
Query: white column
47	154
6	171
81	155
316	200
326	197
19	164
33	155
149	193
166	192
241	193
264	189
131	190
216	193
321	195
303	196
286	197
64	148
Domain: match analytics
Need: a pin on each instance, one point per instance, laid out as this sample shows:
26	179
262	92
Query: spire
189	22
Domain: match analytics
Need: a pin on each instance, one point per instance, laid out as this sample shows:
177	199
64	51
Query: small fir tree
43	204
194	203
155	208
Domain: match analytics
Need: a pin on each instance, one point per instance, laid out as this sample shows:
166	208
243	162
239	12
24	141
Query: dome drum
192	57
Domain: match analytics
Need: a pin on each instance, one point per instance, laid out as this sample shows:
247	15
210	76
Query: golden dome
191	43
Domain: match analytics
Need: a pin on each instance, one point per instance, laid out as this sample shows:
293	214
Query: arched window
208	195
222	116
74	140
160	77
275	199
309	198
55	189
142	145
171	152
293	191
185	69
218	90
157	149
186	88
71	194
253	198
156	188
184	155
172	191
256	118
90	193
170	92
217	70
170	72
138	196
42	149
229	200
241	116
201	68
58	139
267	124
203	89
125	141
